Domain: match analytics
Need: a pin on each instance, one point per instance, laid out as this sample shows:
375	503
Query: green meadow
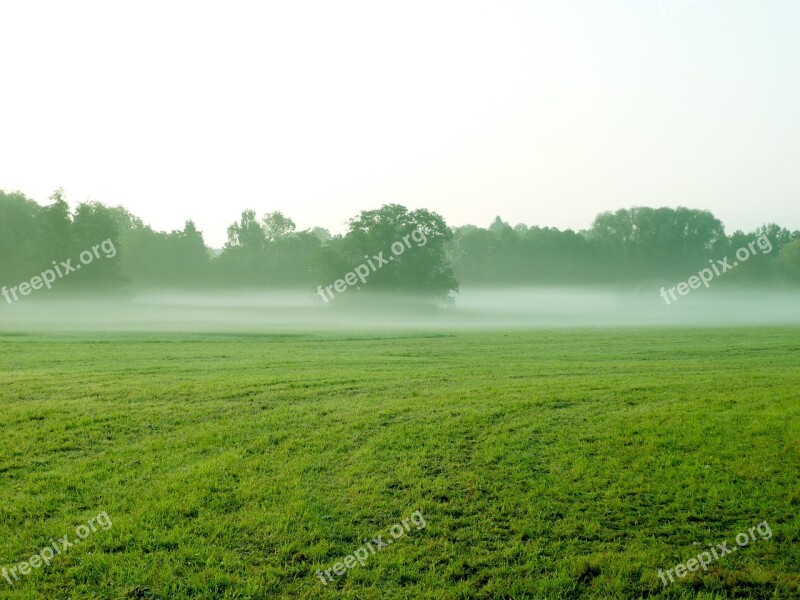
546	464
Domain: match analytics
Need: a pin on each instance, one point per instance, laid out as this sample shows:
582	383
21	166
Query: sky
542	112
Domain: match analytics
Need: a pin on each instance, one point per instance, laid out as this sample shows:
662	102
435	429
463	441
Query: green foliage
56	238
665	240
536	255
270	253
791	260
277	226
19	234
159	259
630	245
247	234
93	223
420	268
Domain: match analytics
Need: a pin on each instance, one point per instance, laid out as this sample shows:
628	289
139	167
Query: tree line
632	246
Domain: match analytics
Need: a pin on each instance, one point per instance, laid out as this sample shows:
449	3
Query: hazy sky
543	112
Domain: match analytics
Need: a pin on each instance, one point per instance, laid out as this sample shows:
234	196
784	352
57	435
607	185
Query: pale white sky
543	112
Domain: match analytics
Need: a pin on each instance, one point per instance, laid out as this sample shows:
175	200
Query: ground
546	464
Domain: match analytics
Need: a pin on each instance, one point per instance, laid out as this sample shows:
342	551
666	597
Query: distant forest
627	246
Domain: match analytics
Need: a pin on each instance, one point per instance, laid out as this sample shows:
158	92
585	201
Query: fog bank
484	309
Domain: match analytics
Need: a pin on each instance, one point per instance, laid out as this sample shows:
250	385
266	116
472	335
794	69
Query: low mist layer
474	308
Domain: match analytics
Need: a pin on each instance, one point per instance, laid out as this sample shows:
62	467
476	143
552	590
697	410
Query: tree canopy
639	244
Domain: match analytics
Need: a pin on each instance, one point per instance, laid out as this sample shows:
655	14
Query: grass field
568	464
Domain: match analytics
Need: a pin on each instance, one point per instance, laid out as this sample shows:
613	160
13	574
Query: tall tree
93	224
418	264
247	233
56	240
277	226
790	260
20	237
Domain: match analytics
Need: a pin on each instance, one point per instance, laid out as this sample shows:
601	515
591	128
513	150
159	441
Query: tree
56	240
276	226
790	260
420	266
247	233
644	242
19	237
189	260
93	224
288	259
322	234
777	235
